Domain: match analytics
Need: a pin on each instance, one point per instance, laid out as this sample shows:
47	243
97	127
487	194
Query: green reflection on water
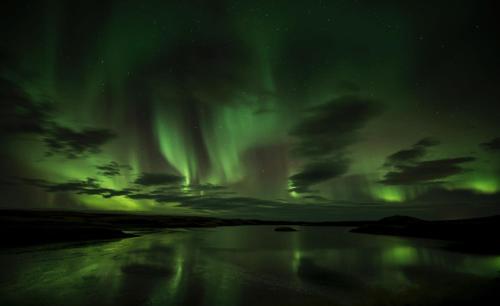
400	255
296	253
227	266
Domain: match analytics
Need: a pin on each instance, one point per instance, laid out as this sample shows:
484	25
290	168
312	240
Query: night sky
312	110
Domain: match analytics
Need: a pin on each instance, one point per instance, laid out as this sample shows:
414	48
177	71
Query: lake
248	265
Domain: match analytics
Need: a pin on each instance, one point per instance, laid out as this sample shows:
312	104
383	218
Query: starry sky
310	110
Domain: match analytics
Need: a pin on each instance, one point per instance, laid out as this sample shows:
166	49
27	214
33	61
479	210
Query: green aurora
269	109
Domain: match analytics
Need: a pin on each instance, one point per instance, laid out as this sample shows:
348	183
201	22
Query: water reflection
246	266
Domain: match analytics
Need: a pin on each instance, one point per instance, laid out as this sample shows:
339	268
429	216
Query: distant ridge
473	234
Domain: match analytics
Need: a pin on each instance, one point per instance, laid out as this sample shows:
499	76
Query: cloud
324	135
229	203
173	192
206	187
492	145
425	171
315	198
107	192
152	179
74	144
89	186
317	172
76	185
112	169
166	193
407	166
19	113
158	197
427	142
408	156
331	127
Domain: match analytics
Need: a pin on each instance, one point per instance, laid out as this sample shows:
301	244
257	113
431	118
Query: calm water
246	266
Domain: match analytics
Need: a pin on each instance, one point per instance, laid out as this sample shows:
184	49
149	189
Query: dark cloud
330	127
75	144
206	187
72	185
427	142
152	179
76	186
178	193
229	203
407	167
169	193
317	172
107	192
425	171
315	198
89	186
158	197
19	113
112	169
408	156
492	145
324	135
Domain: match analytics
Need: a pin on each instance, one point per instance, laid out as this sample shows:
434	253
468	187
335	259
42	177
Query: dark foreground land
23	227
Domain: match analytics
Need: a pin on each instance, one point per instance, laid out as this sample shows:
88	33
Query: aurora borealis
308	110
